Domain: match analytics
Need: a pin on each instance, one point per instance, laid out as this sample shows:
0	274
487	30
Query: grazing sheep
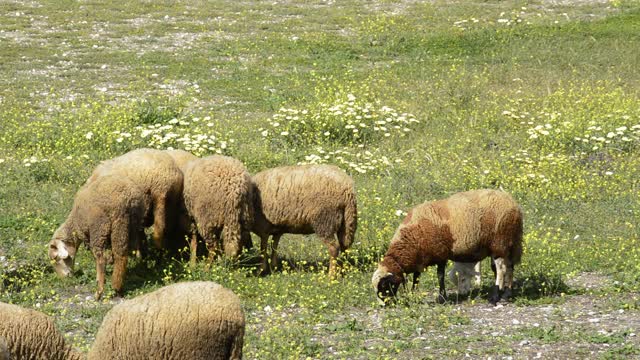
465	227
108	212
190	320
218	197
30	334
155	172
461	275
305	199
183	224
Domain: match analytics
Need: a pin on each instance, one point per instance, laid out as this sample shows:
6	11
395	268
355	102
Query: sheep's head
62	252
462	275
386	284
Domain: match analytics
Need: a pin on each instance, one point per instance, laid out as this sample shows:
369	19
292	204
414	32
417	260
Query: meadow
416	100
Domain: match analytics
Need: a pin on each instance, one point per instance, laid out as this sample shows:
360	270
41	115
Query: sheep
155	172
30	334
465	227
461	275
305	199
218	197
183	224
107	212
189	320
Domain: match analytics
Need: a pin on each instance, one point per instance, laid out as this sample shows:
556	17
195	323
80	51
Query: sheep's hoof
97	295
441	299
506	296
495	295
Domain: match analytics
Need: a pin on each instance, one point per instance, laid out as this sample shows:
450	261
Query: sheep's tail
231	236
236	346
347	231
516	250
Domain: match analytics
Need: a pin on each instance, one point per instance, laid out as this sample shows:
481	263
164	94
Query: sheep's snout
62	257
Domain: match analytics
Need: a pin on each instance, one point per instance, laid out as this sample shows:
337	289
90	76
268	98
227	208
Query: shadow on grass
539	286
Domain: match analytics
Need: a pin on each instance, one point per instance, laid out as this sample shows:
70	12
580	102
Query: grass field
415	99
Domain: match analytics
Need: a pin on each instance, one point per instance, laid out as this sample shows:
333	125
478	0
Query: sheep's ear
58	250
53	250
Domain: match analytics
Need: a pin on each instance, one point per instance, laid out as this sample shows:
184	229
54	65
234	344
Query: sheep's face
62	255
462	275
386	285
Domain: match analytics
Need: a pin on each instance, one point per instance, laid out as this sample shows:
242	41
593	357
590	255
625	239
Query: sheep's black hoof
495	295
441	299
506	295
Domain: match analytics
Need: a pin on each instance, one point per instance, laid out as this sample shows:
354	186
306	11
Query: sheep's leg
501	269
247	243
264	250
416	280
508	281
193	247
274	247
493	268
119	271
101	265
159	222
477	278
334	251
212	243
442	293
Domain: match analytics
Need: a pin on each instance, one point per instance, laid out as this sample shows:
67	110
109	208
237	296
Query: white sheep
190	320
30	334
305	199
107	213
218	197
465	227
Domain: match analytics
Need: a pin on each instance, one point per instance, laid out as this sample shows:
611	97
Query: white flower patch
349	121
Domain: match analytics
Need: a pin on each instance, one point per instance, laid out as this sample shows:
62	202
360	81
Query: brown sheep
106	213
155	172
190	320
305	199
465	227
218	197
30	334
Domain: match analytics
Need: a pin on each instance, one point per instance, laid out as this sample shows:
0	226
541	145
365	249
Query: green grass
538	99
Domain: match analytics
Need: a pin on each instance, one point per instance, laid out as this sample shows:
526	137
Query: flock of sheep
216	202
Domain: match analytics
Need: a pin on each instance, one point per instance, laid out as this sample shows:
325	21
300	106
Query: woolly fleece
190	320
31	335
306	199
155	172
107	213
218	197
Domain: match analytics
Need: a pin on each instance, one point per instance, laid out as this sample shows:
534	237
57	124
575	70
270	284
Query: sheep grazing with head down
183	224
107	213
190	320
30	334
465	227
155	172
305	199
218	197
